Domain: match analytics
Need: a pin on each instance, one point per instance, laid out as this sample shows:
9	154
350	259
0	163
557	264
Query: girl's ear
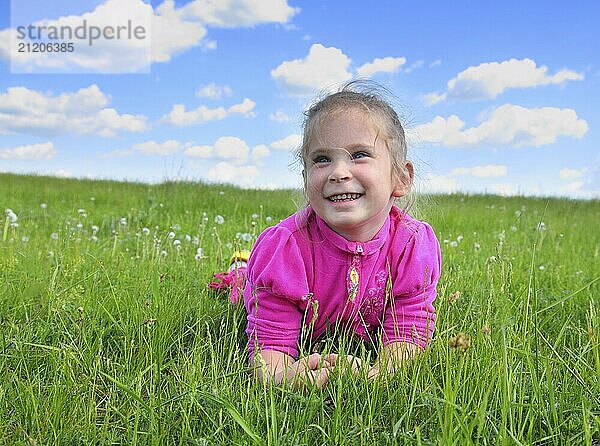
404	181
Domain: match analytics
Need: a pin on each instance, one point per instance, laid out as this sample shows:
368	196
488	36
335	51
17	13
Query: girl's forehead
345	128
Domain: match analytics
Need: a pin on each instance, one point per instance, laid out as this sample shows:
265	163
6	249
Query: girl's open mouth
344	197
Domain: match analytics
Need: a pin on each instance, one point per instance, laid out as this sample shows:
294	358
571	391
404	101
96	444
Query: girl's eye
359	155
320	160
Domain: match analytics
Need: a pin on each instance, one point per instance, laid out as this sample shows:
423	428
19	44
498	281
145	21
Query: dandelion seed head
123	221
541	226
454	243
513	228
95	229
454	297
188	238
93	238
163	253
459	238
219	220
254	216
171	234
43	205
145	231
177	242
54	236
542	267
477	246
461	342
24	239
12	217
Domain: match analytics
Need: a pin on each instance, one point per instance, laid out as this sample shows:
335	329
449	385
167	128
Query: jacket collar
362	248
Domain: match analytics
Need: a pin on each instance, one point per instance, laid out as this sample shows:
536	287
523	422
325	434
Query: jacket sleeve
276	293
410	315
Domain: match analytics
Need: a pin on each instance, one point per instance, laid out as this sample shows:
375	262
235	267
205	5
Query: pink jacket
301	265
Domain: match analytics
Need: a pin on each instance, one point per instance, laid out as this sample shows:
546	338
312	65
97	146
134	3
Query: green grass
105	338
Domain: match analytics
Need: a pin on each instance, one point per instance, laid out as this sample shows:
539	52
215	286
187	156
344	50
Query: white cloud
505	189
43	151
198	151
260	151
569	174
289	143
279	116
434	183
573	187
180	117
244	108
170	30
62	173
240	13
321	68
430	99
381	65
225	172
214	91
232	147
487	171
435	63
83	112
488	80
114	55
414	66
507	125
154	148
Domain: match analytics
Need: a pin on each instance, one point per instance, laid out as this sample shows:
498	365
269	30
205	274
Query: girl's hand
279	368
347	361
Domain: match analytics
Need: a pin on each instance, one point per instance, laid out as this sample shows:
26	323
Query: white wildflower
93	238
95	229
188	238
459	238
541	226
54	236
12	217
454	244
43	205
542	267
177	243
171	234
254	216
123	221
163	253
219	220
146	231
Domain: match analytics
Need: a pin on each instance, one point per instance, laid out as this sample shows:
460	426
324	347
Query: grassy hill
108	333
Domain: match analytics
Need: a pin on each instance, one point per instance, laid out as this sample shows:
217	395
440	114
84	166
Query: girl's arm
280	368
392	357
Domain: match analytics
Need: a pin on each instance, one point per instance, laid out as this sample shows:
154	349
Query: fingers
346	360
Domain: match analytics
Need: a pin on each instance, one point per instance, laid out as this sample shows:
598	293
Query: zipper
353	274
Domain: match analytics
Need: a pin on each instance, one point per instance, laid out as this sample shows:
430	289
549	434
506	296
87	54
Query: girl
351	259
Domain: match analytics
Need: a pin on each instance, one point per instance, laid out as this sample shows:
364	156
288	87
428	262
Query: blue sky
497	97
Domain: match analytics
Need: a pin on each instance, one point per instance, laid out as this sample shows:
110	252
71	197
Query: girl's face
348	176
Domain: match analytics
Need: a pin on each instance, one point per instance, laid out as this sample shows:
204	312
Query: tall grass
110	335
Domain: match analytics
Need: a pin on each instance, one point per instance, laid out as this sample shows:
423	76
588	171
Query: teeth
342	197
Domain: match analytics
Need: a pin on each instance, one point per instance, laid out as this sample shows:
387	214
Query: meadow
109	334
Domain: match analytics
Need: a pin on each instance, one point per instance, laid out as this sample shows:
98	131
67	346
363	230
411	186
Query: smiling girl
352	259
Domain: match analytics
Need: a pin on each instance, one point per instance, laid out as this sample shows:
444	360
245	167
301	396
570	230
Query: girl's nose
340	171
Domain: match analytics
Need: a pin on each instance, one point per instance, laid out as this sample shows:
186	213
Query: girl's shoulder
406	229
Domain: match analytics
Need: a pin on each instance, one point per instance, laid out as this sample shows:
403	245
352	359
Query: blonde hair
367	96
